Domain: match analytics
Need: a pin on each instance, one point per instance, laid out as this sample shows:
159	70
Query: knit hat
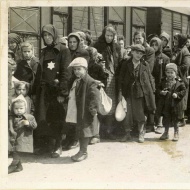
164	34
171	66
51	30
79	61
12	37
138	47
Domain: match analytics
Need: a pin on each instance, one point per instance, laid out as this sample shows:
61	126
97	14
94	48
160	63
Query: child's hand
174	95
164	92
24	123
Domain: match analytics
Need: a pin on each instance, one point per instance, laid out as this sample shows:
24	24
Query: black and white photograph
95	95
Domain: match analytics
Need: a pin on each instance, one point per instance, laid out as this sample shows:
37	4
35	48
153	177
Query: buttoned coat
24	137
126	80
87	98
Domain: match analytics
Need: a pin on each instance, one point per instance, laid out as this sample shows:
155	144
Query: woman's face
138	39
12	45
73	43
48	38
109	37
164	41
188	43
176	42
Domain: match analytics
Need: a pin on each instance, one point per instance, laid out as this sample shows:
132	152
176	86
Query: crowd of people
54	100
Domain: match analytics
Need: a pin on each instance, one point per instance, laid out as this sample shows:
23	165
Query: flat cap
138	47
79	62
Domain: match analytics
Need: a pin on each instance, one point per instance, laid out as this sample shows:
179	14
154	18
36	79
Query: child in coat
137	86
22	87
82	106
27	67
21	126
158	72
171	91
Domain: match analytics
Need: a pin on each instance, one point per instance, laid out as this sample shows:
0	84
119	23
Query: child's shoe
15	167
80	156
176	136
94	140
159	130
164	136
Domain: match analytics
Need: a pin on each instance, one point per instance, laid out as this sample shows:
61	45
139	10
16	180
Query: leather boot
141	132
176	136
164	136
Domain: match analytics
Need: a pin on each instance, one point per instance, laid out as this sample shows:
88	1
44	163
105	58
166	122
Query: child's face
170	73
12	45
138	39
137	55
155	46
21	90
164	41
79	71
19	108
48	38
121	43
27	52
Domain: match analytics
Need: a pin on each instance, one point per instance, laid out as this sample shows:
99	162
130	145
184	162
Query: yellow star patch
51	65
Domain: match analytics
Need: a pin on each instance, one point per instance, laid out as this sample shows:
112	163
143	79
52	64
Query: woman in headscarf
51	89
14	41
182	59
165	37
111	53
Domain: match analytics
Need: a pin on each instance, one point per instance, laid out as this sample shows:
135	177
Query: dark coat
182	60
150	57
175	103
167	51
87	98
102	48
80	53
24	135
161	61
27	73
47	107
126	79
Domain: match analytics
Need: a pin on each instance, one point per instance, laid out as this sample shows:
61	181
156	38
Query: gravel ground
154	164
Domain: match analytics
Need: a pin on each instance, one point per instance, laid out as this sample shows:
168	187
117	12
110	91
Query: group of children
29	76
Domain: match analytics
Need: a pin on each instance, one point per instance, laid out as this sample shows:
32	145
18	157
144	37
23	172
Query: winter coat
80	53
26	72
126	80
107	50
167	51
46	89
23	142
175	103
87	98
150	57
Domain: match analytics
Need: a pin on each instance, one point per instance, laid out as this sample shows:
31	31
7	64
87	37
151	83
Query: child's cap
79	61
172	66
138	47
20	97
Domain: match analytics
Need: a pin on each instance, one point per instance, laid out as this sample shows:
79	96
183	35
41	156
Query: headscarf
12	37
165	35
159	43
182	40
51	30
76	35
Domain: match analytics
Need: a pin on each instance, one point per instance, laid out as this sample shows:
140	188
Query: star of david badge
51	65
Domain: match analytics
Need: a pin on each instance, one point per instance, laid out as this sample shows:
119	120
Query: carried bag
121	110
105	105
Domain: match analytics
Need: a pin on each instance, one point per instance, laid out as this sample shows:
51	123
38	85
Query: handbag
121	110
105	105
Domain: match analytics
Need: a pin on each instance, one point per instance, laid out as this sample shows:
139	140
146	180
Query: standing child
158	72
22	87
27	67
137	87
82	106
21	126
171	91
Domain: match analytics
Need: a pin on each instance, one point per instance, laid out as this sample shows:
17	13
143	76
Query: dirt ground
112	164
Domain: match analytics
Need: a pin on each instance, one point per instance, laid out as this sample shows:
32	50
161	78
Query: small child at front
22	87
171	91
21	126
82	105
27	67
